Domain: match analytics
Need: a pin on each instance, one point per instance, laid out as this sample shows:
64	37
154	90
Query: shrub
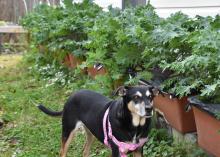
200	68
135	39
62	30
116	39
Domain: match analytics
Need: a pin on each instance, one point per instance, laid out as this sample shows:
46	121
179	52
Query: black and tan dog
130	117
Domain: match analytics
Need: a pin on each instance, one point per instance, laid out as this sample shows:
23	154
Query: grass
27	132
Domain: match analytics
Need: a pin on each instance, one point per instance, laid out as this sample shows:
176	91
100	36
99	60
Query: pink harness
123	147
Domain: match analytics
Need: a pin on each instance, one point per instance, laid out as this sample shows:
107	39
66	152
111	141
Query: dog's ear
121	91
155	90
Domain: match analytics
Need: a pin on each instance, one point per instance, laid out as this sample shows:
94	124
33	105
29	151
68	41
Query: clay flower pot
173	110
97	69
71	61
208	127
42	48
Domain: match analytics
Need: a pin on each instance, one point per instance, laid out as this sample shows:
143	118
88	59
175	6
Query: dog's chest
136	135
135	139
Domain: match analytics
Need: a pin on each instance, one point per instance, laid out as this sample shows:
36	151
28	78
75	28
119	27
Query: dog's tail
50	112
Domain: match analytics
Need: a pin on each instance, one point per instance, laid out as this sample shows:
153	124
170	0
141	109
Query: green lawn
27	132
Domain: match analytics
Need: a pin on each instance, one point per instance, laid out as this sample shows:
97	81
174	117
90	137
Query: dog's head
139	99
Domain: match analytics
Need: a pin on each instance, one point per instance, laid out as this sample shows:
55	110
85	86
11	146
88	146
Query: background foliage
136	41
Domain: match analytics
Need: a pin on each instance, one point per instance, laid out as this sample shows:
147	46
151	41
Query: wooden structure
14	29
13	10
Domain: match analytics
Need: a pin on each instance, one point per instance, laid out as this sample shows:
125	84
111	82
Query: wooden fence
12	10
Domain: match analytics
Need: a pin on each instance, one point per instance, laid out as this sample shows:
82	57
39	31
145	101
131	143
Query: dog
123	125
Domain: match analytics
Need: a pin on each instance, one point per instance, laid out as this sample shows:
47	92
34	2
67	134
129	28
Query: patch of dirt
8	63
9	60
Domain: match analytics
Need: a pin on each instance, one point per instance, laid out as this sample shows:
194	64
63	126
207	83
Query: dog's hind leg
65	143
89	140
68	133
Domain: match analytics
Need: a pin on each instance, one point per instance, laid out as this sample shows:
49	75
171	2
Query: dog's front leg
138	153
115	150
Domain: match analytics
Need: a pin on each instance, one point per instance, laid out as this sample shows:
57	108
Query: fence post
133	3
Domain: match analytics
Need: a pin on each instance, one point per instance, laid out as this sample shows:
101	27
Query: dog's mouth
145	115
149	113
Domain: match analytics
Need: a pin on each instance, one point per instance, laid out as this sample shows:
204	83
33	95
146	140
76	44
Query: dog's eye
136	97
149	96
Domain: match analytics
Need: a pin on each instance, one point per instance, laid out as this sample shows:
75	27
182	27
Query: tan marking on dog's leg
89	140
137	154
65	145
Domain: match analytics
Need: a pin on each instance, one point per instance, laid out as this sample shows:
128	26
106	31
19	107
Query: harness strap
123	147
105	128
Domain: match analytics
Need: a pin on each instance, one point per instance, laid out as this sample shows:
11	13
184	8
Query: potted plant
173	110
171	107
71	61
198	74
166	44
62	31
116	42
95	70
189	49
207	124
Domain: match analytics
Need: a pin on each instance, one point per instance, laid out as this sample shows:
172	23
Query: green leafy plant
135	39
161	145
116	40
61	30
198	70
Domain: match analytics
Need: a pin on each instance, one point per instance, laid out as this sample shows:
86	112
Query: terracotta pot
71	61
208	130
173	110
93	72
42	48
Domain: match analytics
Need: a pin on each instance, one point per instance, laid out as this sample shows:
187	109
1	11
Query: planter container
174	111
42	48
208	127
96	70
71	61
